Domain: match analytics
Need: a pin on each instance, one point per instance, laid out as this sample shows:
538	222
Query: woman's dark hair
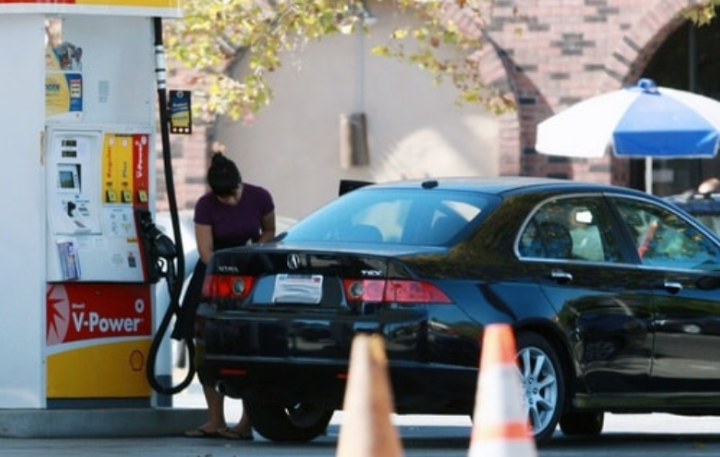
223	176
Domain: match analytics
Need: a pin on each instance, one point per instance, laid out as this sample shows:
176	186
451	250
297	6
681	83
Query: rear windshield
403	216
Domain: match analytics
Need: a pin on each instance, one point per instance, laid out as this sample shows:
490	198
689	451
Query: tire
582	424
543	383
288	423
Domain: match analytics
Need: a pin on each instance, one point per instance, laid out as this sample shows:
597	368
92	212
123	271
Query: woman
232	213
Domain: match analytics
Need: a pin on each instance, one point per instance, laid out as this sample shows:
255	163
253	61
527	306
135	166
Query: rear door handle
672	286
561	276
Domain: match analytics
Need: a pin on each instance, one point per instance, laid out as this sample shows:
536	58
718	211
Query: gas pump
99	292
78	124
108	252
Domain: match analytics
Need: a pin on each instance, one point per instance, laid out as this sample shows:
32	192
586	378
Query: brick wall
563	51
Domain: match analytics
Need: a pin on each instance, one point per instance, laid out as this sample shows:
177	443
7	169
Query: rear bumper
293	356
417	388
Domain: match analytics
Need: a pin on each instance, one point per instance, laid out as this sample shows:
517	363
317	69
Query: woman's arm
267	230
203	237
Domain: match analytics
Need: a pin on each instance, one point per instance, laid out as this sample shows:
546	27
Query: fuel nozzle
164	246
160	244
160	251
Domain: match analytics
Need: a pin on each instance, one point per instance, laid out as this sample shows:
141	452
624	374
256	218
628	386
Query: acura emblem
293	261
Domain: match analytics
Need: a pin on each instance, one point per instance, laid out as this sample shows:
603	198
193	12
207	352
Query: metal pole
360	62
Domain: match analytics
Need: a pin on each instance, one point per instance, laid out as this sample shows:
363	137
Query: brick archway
631	56
495	72
635	49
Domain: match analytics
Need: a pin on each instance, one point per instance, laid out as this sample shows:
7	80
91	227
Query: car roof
503	184
689	197
696	203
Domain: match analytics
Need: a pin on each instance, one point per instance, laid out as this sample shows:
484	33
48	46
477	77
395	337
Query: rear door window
575	228
664	239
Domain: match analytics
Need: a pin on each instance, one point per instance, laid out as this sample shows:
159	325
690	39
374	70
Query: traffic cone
500	422
367	429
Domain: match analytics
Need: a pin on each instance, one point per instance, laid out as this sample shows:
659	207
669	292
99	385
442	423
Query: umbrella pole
649	175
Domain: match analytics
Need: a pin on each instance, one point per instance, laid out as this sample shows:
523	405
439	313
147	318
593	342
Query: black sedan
614	296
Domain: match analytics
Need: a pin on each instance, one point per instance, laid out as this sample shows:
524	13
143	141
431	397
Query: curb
98	423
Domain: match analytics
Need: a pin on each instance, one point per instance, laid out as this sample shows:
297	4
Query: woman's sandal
231	434
201	433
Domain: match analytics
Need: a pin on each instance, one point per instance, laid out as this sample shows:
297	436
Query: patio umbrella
643	121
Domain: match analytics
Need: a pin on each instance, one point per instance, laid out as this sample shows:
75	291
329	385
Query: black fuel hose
176	278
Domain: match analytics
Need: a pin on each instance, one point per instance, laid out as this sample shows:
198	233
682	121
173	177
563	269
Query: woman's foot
201	433
236	433
206	430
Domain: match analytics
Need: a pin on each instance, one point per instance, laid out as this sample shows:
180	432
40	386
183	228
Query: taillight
393	290
227	286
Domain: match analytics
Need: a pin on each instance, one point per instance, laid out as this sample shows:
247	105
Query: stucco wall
414	128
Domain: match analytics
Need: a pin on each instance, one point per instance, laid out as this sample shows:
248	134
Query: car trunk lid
311	277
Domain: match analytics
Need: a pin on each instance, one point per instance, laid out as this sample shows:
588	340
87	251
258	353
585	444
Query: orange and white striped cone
367	429
500	422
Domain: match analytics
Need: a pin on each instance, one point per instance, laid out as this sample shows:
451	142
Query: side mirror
347	185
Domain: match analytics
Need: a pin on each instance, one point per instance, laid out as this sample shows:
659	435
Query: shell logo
58	319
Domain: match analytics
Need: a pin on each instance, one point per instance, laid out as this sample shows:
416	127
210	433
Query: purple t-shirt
234	225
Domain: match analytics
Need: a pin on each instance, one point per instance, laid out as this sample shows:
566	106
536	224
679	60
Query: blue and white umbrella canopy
644	121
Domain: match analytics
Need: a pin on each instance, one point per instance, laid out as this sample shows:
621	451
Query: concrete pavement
423	436
159	433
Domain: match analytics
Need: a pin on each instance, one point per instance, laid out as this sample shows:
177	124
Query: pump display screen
68	179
